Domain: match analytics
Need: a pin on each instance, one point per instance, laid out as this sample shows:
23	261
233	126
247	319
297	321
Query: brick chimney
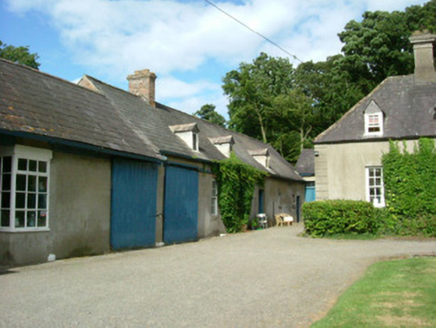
423	51
142	83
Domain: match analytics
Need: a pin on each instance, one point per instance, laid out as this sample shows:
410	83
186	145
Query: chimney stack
423	51
142	83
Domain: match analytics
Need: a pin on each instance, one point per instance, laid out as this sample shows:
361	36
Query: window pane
22	164
371	182
7	164
5	218
378	172
32	183
42	201
32	166
42	184
31	219
21	182
378	181
6	182
19	219
6	200
42	219
31	201
42	167
20	200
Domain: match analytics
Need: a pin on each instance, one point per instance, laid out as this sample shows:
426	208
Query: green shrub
410	180
410	189
236	183
332	217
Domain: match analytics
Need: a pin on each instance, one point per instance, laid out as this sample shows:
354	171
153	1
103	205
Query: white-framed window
374	124
374	186
24	188
214	199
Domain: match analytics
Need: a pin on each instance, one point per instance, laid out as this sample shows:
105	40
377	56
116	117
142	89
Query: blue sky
189	44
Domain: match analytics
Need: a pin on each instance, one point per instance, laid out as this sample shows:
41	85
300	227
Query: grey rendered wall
340	168
79	209
208	224
281	197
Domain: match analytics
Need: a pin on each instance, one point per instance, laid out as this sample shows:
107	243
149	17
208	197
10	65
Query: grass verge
399	293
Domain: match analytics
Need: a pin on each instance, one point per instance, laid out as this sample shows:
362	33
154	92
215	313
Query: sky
189	44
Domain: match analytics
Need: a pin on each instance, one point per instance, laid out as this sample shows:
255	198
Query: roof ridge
37	71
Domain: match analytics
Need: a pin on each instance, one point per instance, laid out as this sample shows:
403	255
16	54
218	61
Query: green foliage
19	55
333	217
236	183
208	113
266	104
410	188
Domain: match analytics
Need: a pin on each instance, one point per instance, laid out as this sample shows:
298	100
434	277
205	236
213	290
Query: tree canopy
207	112
273	101
20	55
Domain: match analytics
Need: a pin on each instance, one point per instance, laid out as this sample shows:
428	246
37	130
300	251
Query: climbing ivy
236	183
410	188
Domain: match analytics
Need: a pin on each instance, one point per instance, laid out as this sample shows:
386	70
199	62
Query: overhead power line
249	28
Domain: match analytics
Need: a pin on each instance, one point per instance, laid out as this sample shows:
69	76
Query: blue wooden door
133	208
310	193
181	205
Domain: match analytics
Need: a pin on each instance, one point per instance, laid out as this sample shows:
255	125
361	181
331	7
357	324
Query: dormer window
261	156
189	133
223	144
373	120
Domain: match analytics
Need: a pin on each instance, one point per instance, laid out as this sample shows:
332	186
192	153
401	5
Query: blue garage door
181	205
133	216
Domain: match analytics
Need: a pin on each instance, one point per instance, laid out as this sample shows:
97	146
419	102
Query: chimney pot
142	83
423	52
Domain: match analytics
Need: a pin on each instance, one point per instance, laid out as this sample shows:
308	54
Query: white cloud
169	87
115	38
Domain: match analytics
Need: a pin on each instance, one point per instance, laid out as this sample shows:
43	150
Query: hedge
333	217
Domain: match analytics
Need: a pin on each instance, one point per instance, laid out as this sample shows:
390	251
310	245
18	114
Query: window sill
24	230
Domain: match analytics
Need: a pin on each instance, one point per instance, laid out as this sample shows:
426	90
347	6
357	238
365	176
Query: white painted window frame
29	153
214	198
368	175
369	125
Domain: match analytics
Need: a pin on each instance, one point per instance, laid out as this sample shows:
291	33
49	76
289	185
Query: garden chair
283	219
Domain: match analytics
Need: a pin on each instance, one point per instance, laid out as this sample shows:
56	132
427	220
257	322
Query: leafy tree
330	90
208	113
20	55
251	91
378	46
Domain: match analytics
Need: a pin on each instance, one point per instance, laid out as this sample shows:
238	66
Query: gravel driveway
269	278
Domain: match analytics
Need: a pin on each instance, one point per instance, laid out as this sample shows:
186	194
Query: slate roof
152	124
38	104
408	109
306	163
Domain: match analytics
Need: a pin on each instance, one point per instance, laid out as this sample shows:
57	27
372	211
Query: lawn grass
399	293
